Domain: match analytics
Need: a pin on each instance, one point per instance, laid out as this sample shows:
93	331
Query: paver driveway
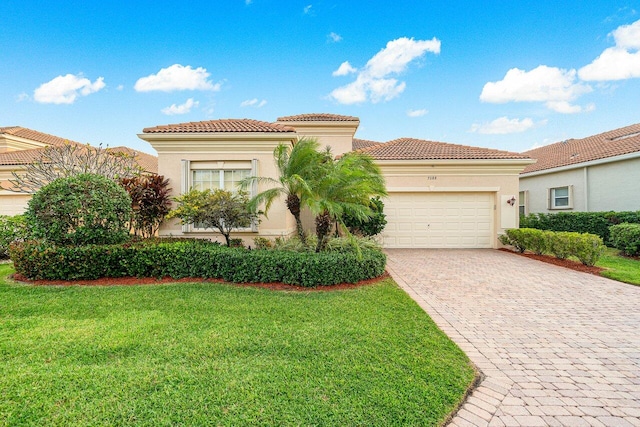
556	347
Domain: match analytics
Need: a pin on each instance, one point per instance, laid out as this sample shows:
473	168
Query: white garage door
438	220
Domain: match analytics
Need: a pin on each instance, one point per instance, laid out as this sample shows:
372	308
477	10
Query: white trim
433	189
613	159
552	198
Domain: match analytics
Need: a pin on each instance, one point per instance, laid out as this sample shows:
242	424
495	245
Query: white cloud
253	103
344	69
66	89
417	113
373	82
22	97
619	62
554	86
334	37
180	109
177	77
120	87
504	125
307	9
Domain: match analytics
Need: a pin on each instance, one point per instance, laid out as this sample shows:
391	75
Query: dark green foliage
189	258
11	228
597	223
220	210
626	237
150	202
80	210
371	227
562	244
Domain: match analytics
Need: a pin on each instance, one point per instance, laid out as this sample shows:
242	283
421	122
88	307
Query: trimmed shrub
626	237
11	228
80	210
373	225
588	248
597	223
39	260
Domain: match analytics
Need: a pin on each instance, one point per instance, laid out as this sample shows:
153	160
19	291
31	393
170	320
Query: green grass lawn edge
215	354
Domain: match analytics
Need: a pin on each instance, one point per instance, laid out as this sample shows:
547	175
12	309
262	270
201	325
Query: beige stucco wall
336	134
13	203
499	178
602	186
174	148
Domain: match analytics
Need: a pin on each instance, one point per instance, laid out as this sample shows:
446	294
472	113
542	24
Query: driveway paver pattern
556	347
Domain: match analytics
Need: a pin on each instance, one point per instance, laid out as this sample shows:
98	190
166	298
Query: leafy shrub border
588	248
626	237
178	259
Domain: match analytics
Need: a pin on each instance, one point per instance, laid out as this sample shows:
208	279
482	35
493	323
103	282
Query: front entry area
439	220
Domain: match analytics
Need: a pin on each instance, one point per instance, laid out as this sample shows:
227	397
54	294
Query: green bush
188	258
80	210
588	248
371	227
626	237
597	223
11	228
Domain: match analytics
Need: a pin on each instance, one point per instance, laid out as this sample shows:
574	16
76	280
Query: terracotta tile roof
615	142
418	149
222	125
358	144
33	135
318	117
22	157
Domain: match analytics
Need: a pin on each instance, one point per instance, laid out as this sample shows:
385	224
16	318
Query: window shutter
254	190
184	185
549	196
570	192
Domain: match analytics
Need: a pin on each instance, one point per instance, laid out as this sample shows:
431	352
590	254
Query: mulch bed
566	263
131	281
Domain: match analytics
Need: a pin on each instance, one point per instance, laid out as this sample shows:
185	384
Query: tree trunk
293	204
323	224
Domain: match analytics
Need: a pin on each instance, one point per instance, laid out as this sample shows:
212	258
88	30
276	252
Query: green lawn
214	354
619	267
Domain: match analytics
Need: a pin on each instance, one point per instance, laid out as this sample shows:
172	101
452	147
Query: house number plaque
431	178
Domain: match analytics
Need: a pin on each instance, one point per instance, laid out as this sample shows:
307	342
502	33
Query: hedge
588	248
626	237
11	228
37	260
597	223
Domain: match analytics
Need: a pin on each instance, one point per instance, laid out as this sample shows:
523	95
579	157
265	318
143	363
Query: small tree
80	210
220	210
73	159
150	202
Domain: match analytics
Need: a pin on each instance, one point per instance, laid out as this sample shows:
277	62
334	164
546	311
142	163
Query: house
20	146
441	195
596	173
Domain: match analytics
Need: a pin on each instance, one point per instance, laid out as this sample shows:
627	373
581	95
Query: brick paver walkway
556	347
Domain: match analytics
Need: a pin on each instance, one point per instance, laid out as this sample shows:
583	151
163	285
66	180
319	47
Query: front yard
618	267
215	354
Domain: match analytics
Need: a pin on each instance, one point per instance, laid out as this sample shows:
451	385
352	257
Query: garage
439	220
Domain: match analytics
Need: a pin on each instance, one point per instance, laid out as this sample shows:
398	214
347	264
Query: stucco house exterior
596	173
441	195
20	146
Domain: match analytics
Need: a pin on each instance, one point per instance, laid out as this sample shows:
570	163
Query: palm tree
345	186
298	167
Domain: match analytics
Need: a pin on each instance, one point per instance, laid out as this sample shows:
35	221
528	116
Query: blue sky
509	75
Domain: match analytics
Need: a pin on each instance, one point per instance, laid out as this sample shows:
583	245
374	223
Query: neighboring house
597	173
20	146
440	195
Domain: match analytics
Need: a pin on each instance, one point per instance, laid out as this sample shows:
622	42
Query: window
522	200
213	175
560	198
218	179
